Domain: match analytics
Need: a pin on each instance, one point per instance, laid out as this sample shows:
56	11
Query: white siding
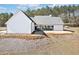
58	27
19	23
32	27
20	28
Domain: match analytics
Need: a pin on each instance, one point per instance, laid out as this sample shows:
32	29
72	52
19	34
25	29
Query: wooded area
66	12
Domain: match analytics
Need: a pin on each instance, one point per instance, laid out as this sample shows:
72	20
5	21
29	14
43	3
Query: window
44	27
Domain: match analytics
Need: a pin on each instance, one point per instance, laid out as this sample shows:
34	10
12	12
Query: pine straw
22	36
58	32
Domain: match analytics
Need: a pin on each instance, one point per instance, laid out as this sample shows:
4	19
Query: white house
22	23
48	21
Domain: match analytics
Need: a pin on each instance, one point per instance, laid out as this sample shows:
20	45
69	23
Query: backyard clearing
58	32
19	46
22	36
55	44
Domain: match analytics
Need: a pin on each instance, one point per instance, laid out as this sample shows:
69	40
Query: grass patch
22	36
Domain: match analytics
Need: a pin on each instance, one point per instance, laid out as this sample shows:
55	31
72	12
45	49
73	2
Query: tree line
4	17
64	11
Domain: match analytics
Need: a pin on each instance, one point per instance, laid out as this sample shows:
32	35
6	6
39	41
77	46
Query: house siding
19	28
20	23
58	28
32	27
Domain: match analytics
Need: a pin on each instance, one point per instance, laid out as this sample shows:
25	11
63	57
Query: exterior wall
21	28
19	24
58	27
32	27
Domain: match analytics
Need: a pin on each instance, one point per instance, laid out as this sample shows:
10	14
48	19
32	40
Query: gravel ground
16	46
56	44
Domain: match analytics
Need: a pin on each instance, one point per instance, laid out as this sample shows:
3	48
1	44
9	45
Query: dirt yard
67	44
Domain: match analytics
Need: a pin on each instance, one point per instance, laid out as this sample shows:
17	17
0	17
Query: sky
13	8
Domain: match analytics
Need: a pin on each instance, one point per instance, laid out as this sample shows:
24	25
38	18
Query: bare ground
55	44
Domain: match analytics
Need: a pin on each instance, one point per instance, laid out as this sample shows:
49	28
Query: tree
4	18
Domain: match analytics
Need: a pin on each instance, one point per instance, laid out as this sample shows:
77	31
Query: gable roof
16	14
42	20
47	20
29	17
